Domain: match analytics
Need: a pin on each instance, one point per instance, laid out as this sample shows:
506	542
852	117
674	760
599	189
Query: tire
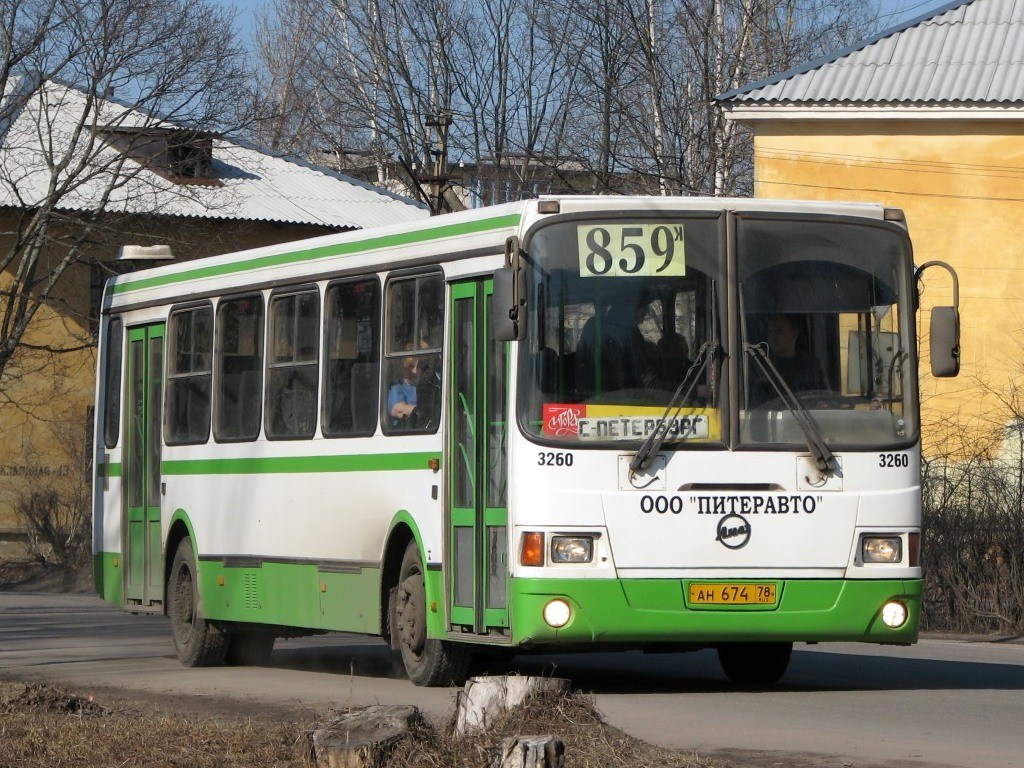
198	643
427	662
754	663
249	649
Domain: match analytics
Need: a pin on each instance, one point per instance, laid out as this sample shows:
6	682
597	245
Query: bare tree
74	74
621	92
286	42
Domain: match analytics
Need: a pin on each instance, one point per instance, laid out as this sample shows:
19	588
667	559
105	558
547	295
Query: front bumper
643	611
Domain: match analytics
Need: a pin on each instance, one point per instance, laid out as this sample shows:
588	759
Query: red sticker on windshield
563	418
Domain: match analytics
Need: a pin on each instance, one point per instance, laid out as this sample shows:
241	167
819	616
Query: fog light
572	549
881	549
557	613
894	614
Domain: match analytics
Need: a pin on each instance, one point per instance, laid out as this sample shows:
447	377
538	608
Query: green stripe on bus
378	462
338	249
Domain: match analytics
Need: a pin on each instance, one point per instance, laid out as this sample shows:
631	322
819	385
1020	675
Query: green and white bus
558	424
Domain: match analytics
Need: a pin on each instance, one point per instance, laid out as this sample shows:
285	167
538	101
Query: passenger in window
402	396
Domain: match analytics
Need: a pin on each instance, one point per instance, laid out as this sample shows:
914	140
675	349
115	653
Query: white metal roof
254	185
969	53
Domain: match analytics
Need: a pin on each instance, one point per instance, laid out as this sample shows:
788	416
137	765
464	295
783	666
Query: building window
179	155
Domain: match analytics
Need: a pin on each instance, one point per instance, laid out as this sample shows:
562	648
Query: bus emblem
733	532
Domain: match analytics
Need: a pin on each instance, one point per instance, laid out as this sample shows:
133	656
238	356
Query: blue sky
894	11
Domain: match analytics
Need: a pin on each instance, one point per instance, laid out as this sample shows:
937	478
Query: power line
877	190
980	170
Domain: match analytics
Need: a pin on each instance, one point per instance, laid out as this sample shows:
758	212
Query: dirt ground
43	726
35	576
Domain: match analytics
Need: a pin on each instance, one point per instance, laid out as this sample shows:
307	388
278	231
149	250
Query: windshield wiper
654	441
823	457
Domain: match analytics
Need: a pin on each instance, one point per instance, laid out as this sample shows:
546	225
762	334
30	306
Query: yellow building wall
45	398
961	186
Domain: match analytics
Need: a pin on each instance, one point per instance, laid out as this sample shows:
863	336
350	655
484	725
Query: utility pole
439	177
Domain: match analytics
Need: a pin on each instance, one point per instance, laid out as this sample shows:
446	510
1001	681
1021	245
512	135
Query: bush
57	525
52	497
973	533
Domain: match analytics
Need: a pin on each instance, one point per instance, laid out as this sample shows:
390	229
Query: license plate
732	593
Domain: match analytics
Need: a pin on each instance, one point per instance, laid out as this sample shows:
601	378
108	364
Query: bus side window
352	364
412	353
292	364
239	364
189	375
112	382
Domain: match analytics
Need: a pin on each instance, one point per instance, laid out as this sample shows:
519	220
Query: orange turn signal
914	549
532	552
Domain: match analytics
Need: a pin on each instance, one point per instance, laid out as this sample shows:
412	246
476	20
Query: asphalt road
940	703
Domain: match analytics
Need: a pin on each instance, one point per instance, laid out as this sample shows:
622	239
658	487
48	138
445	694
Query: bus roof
457	235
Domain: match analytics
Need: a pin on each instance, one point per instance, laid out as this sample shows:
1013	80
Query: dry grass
48	727
589	741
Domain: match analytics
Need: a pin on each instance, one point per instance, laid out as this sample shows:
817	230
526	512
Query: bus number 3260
554	459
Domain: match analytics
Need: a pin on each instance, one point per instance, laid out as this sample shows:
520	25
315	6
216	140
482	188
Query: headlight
572	549
881	549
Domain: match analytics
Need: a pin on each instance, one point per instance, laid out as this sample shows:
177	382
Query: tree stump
484	698
363	738
529	752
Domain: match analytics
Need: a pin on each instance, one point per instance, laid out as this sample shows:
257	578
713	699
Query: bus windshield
627	317
825	328
619	313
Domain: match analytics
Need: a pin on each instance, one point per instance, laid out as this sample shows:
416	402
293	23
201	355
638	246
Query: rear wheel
198	643
428	662
754	663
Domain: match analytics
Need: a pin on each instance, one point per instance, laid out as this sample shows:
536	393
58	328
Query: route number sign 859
631	250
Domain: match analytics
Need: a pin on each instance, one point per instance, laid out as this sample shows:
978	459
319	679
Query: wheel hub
411	612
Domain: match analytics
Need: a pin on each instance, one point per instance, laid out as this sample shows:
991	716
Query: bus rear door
142	554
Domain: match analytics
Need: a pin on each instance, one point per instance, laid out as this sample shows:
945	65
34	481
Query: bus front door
140	546
477	466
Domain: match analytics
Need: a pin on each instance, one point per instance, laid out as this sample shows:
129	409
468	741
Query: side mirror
945	342
504	310
509	296
945	328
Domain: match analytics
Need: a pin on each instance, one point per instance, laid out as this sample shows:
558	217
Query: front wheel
198	643
427	662
754	663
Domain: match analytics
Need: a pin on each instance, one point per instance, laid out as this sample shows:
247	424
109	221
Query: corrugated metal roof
254	185
970	52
